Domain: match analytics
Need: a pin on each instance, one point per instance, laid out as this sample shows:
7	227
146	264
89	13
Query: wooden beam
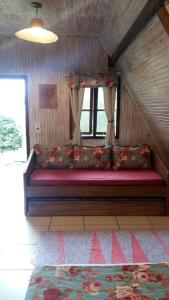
163	14
147	13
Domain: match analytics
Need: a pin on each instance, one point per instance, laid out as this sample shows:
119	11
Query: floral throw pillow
92	157
131	157
58	157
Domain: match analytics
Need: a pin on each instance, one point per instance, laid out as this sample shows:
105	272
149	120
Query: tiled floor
96	222
19	234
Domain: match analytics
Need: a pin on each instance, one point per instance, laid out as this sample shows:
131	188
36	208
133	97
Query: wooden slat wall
118	20
133	130
47	64
145	66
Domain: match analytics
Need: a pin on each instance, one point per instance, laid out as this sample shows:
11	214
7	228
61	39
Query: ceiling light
36	33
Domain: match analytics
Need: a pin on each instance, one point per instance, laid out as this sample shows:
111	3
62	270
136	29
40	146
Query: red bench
96	192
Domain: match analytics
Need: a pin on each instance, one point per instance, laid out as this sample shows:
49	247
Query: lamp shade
36	33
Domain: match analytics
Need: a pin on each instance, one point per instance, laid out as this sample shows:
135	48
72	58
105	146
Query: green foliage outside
10	136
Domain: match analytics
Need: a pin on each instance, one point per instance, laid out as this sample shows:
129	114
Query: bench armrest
30	165
164	172
161	168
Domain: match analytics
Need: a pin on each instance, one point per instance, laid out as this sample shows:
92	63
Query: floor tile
38	220
68	220
159	220
100	226
135	226
66	227
21	235
161	226
12	218
99	220
126	220
17	257
13	284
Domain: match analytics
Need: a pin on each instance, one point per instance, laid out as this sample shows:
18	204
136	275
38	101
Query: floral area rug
102	247
127	282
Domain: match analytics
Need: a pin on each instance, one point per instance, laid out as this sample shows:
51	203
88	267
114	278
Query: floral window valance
107	79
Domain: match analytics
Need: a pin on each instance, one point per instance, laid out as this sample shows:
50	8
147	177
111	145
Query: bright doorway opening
13	131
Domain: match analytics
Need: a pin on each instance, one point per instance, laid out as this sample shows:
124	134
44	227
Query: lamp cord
36	11
36	5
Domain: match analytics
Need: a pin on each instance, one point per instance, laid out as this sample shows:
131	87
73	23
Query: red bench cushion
67	177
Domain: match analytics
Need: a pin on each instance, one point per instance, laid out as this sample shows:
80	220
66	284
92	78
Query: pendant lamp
36	32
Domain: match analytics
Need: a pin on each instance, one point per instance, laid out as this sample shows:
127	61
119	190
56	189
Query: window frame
96	133
90	110
93	117
118	91
85	135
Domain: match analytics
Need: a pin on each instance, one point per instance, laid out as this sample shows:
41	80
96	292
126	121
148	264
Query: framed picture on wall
47	96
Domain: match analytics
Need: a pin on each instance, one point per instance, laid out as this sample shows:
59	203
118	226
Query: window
93	122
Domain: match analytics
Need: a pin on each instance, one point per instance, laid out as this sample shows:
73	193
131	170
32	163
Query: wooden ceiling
107	19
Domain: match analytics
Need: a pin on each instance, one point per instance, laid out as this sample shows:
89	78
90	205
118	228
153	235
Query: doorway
14	139
14	143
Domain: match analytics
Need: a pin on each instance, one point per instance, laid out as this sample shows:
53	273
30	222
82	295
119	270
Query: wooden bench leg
25	197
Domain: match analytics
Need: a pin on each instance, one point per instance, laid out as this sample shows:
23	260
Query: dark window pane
86	99
85	121
100	98
101	121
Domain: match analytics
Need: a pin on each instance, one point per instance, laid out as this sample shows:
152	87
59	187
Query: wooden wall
48	64
145	68
133	129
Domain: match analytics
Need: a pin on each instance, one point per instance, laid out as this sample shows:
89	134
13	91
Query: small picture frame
47	96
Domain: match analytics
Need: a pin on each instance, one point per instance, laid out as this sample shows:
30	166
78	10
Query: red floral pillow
92	157
131	157
58	157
